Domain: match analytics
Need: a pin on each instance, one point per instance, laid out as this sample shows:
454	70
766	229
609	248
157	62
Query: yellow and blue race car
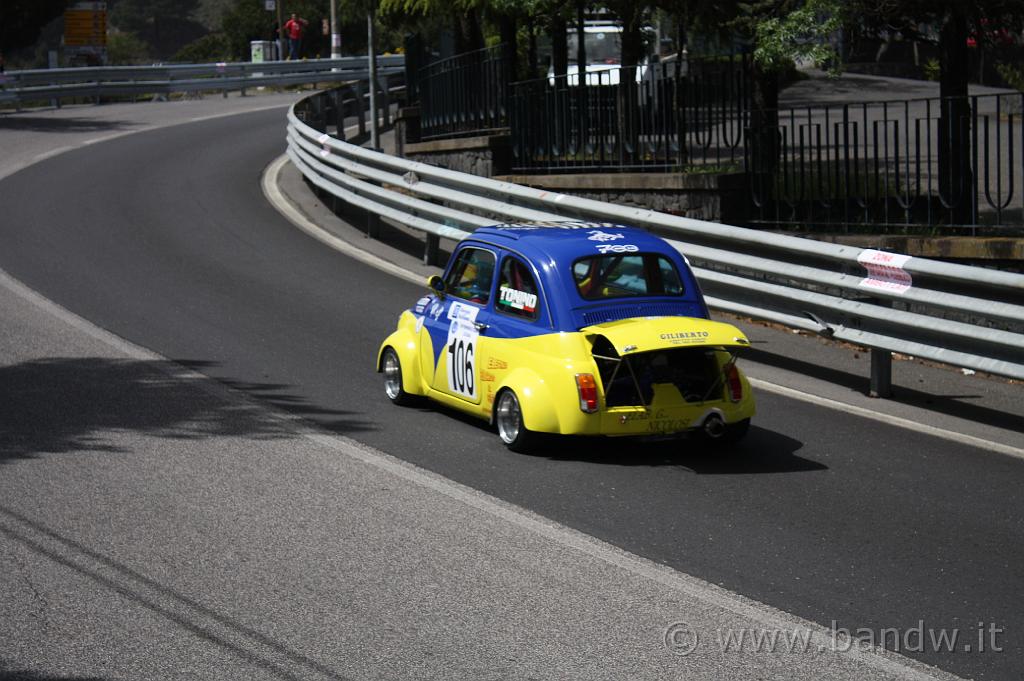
573	329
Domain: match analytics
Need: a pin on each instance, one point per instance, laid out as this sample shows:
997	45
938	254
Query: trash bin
261	51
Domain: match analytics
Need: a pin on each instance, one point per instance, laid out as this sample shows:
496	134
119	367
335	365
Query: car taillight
587	387
732	378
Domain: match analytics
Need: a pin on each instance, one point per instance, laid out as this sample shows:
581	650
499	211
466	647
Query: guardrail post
339	113
360	111
432	249
881	363
385	103
881	373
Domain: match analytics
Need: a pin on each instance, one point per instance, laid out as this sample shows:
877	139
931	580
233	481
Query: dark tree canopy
22	20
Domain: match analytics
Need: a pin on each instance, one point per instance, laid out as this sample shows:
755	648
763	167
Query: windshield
601	277
602	47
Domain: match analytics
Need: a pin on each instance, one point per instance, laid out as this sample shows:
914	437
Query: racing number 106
461	377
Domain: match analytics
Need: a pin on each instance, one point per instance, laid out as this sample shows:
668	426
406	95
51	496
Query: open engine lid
646	334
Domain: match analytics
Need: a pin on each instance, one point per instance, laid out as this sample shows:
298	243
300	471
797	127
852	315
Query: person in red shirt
293	29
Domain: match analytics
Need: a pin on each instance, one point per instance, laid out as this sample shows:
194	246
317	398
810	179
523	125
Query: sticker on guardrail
885	271
322	139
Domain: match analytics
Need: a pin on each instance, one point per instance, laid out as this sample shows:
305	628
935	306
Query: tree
956	21
22	20
164	24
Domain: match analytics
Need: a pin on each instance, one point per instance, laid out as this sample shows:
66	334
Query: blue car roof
553	247
567	241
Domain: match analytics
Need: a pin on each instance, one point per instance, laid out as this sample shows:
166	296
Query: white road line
899	421
891	664
278	200
283	206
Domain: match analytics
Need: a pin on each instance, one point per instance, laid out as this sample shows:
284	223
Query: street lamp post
335	36
371	50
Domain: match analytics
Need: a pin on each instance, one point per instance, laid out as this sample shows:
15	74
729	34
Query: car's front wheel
391	367
508	417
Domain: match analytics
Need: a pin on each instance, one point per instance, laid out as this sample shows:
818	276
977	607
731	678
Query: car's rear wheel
394	388
508	417
715	431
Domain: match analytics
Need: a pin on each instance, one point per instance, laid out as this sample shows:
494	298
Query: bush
1013	74
211	48
126	49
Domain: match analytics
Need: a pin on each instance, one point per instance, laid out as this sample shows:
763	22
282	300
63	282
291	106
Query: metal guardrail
111	81
969	317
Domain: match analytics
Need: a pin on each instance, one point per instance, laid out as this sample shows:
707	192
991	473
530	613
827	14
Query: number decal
617	248
461	350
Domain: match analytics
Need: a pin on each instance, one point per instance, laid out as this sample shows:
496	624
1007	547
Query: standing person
293	29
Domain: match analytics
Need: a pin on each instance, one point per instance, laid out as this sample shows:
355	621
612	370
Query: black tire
730	434
394	383
508	418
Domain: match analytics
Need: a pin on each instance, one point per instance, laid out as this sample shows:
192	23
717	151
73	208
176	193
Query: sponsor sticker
516	299
685	337
421	305
885	271
499	364
598	235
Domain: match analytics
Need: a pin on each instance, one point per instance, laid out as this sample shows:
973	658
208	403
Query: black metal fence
955	163
676	116
464	95
895	164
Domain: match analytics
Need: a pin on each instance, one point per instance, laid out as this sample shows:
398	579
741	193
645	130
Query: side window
517	290
472	275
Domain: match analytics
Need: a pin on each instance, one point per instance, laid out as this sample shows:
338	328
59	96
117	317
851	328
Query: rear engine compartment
629	381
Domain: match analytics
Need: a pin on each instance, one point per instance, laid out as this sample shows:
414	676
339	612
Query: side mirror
436	284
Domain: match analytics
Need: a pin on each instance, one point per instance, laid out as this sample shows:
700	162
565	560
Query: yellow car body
649	375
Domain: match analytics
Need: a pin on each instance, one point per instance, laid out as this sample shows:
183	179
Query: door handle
480	326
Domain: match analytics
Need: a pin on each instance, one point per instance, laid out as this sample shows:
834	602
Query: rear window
601	277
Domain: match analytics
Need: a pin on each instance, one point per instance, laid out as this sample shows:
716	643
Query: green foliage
932	68
138	16
126	49
802	33
211	48
1013	74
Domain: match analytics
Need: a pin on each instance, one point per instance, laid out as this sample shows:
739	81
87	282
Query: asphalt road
165	239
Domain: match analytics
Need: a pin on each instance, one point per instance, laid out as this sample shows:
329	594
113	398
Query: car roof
567	241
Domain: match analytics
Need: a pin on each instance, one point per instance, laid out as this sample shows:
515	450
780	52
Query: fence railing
964	316
21	87
465	94
954	163
676	116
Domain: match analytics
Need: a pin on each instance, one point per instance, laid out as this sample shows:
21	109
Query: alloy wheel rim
392	376
508	418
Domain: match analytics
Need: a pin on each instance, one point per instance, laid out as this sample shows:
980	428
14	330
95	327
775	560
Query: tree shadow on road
7	673
88	404
32	123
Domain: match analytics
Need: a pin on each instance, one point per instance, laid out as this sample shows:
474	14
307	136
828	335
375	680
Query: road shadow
30	123
762	451
278	396
85	404
949	405
8	673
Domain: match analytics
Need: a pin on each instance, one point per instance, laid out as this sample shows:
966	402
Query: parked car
572	329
